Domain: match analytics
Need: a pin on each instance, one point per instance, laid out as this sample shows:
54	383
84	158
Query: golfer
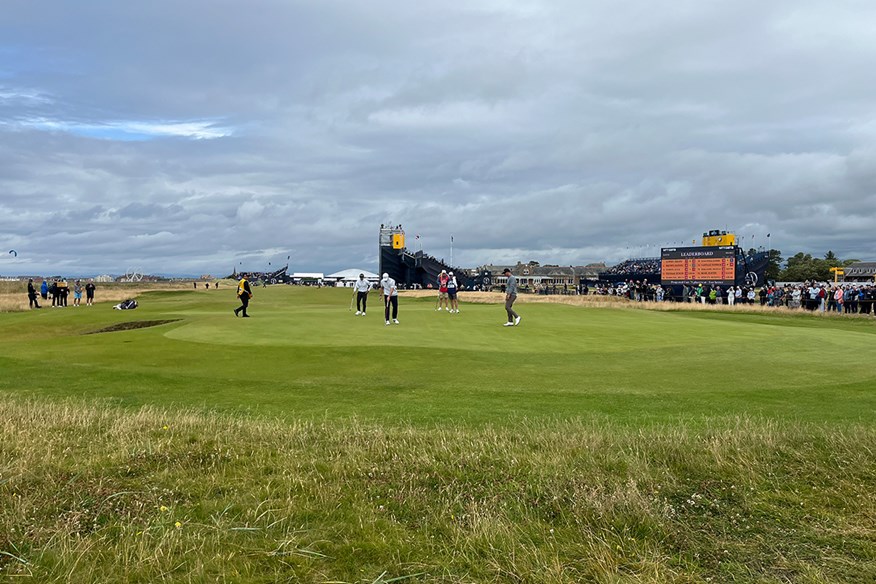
244	293
390	298
361	287
510	297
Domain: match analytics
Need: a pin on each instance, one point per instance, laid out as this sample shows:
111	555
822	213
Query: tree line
802	266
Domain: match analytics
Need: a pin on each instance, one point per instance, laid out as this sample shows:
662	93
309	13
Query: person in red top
443	278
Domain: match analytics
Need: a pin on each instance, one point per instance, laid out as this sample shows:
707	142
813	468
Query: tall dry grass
93	493
13	295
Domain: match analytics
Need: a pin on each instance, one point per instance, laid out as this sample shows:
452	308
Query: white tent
347	277
308	276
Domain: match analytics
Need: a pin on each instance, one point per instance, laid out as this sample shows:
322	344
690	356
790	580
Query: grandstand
633	269
750	268
412	269
280	276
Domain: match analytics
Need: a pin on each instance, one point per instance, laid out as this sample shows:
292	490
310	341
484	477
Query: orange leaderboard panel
705	265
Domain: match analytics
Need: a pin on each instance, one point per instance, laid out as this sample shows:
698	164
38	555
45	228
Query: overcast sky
198	136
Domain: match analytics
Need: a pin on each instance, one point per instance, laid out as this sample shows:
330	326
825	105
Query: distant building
311	277
104	278
535	277
347	277
860	272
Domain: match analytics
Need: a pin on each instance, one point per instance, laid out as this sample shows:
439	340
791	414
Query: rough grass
96	494
13	295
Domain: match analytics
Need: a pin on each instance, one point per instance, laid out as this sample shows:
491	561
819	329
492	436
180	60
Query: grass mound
90	493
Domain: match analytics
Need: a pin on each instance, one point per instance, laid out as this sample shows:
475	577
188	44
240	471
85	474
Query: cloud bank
200	136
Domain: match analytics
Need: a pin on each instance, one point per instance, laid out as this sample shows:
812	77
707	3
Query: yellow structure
837	272
398	241
718	238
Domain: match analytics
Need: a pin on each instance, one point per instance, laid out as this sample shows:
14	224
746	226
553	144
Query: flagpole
451	251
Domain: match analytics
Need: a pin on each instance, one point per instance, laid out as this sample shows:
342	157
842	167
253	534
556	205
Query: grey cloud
554	131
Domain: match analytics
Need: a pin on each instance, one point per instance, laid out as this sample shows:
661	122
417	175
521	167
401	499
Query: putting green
304	354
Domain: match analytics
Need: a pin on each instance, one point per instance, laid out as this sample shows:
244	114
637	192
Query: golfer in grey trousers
510	297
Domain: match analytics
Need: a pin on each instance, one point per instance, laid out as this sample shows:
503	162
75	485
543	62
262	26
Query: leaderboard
705	265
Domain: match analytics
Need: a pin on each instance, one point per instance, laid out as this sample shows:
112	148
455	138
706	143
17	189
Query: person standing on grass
390	298
361	288
44	289
64	291
77	293
89	293
838	294
443	278
32	294
452	291
244	293
510	297
53	290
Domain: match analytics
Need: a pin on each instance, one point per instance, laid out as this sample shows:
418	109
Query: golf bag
129	304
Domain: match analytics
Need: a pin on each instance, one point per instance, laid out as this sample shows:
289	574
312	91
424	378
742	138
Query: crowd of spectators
58	292
636	266
850	298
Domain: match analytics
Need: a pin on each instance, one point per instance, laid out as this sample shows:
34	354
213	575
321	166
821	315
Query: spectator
32	295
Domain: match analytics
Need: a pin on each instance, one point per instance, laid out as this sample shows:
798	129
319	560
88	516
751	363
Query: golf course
591	443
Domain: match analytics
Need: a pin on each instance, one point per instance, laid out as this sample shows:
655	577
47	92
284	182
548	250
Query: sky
201	136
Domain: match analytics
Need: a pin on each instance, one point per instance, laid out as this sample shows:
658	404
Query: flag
451	239
768	234
418	236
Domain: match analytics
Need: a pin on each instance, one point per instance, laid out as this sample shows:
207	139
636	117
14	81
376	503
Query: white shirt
389	288
362	285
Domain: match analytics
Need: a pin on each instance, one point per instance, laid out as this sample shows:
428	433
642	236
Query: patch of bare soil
131	325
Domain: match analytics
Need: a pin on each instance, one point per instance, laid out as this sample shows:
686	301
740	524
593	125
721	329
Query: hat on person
385	275
443	271
361	275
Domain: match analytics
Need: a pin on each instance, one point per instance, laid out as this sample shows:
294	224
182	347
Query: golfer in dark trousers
244	293
361	286
510	297
390	297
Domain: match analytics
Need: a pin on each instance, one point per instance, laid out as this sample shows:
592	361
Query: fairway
304	354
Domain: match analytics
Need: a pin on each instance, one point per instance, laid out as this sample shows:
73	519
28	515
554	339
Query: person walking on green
244	293
510	297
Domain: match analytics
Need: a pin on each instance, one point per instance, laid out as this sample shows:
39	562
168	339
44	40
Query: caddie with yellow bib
244	293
